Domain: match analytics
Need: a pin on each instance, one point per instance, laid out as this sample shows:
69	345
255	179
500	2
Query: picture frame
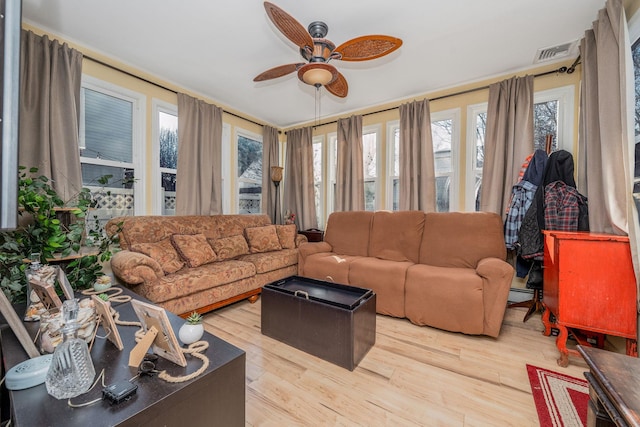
46	293
67	290
106	320
165	343
10	315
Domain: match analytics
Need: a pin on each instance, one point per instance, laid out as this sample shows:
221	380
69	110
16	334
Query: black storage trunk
334	322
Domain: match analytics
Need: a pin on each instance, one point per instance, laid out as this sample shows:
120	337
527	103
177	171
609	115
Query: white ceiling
216	48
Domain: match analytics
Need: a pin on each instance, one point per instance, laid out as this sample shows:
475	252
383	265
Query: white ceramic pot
189	334
101	287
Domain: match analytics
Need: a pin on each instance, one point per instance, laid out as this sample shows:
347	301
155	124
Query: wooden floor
413	376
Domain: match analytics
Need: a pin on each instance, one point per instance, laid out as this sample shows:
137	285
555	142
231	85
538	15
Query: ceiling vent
566	50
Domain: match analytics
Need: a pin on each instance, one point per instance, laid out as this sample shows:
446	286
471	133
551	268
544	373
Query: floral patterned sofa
187	263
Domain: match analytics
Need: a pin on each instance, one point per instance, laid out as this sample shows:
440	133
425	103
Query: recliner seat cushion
385	278
329	266
445	297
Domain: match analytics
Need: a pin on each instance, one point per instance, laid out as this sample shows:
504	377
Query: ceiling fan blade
276	72
288	26
339	86
367	47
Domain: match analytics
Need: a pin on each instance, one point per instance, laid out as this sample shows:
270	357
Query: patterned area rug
560	400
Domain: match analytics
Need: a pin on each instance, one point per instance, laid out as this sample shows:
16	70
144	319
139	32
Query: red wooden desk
589	285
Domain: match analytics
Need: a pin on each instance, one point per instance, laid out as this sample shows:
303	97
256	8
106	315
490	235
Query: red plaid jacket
561	207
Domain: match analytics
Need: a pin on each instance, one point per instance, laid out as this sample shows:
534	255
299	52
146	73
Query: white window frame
332	165
470	182
392	126
158	106
565	96
227	161
377	130
139	103
319	139
454	189
234	169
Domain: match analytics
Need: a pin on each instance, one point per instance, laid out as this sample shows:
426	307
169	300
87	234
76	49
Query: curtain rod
568	70
113	67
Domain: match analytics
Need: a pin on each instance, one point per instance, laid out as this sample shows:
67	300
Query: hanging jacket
559	167
562	207
522	195
521	198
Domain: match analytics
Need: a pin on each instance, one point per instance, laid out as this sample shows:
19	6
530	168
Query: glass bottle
71	372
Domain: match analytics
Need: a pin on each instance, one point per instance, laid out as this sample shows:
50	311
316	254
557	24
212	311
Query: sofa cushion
163	253
191	280
348	232
193	249
385	278
446	298
329	266
262	239
229	247
287	235
270	261
461	239
396	236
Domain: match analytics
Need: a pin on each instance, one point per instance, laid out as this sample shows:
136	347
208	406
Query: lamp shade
317	73
276	173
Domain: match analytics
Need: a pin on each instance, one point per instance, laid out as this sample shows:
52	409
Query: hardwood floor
413	376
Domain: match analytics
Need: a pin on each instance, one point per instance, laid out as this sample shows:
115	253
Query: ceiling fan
318	51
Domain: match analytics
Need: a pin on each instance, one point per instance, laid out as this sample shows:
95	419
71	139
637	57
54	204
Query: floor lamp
276	177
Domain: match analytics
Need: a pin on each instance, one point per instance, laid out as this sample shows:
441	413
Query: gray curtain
198	175
270	157
508	141
606	138
299	191
417	170
50	80
350	168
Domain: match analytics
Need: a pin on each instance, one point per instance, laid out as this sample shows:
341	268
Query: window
635	51
370	147
475	154
370	167
393	165
553	115
111	135
165	157
444	133
318	173
249	172
332	166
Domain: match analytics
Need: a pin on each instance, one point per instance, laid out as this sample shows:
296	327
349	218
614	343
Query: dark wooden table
613	388
215	398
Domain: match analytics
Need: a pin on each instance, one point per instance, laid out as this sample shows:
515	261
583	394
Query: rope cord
195	349
91	402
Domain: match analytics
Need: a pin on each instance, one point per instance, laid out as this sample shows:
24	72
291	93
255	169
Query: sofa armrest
497	276
300	239
310	248
134	267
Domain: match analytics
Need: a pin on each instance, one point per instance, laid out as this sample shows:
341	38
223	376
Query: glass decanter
71	372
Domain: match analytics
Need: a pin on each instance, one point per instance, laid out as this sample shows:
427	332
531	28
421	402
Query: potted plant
192	330
102	283
42	231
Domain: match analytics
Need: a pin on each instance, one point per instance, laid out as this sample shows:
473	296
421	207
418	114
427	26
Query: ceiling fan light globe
317	76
